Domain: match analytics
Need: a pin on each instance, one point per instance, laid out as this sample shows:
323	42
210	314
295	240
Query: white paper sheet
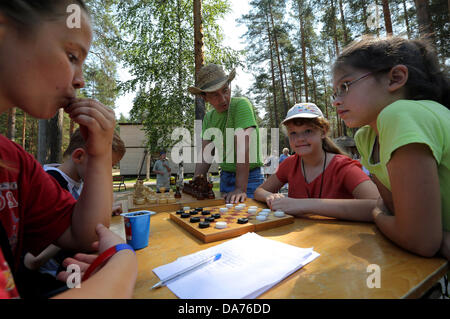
250	265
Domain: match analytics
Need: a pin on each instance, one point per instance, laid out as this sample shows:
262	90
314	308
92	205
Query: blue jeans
228	181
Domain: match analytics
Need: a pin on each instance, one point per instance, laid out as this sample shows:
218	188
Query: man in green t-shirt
231	127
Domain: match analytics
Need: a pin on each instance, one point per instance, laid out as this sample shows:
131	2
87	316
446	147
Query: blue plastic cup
137	228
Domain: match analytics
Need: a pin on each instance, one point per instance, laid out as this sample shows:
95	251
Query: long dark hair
426	79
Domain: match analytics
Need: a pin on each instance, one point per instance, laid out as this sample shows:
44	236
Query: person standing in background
162	171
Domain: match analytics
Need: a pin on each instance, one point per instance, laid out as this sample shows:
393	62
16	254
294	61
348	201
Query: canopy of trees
290	45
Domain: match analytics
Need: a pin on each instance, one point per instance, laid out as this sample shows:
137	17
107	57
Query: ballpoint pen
187	270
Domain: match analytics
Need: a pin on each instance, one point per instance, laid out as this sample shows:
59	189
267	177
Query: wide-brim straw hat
211	78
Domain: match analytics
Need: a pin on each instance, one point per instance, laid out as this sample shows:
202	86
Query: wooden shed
134	138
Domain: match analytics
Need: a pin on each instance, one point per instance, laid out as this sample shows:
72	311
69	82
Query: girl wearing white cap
322	179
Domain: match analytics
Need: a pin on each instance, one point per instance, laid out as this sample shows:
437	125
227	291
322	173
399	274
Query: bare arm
242	169
268	191
417	224
95	202
358	209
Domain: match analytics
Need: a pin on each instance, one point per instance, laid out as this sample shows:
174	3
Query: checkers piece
185	215
216	216
199	209
221	225
279	213
206	212
209	219
203	225
179	212
242	221
195	219
193	212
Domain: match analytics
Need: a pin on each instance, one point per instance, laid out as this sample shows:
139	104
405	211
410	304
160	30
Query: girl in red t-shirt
43	46
322	180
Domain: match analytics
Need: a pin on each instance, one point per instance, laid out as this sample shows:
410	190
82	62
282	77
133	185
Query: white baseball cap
303	110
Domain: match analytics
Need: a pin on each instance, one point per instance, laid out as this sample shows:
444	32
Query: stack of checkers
220	222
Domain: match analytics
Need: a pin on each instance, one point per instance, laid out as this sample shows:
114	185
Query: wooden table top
341	271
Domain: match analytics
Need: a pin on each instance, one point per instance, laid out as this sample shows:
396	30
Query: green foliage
157	45
324	36
100	69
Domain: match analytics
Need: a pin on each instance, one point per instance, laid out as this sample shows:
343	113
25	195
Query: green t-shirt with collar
240	115
405	122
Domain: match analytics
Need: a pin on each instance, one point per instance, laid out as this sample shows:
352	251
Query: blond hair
77	141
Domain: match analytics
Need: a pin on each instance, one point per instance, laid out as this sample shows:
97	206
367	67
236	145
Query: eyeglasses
343	88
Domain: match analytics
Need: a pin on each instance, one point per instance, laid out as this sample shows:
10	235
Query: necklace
321	180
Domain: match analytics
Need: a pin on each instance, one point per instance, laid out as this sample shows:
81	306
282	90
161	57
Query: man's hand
236	196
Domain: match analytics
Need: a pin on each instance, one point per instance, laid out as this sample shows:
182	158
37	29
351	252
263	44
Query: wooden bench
119	180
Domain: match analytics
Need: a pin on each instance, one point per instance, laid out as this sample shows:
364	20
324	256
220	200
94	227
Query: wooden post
199	59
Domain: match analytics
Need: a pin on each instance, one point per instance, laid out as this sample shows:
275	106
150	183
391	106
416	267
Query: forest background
289	47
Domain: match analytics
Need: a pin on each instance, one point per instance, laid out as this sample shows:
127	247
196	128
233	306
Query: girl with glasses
395	90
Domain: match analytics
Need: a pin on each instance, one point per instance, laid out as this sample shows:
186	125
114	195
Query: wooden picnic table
347	251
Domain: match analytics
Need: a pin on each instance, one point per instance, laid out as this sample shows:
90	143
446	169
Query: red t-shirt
340	178
34	209
7	287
